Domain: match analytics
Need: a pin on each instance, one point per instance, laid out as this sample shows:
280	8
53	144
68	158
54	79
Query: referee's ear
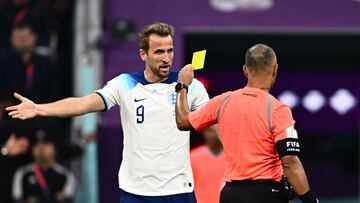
246	71
275	69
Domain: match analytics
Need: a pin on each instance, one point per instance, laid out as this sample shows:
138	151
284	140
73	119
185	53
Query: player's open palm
25	110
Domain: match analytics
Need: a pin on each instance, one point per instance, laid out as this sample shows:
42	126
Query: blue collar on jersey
140	77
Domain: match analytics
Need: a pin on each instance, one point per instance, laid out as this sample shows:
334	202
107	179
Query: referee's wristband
308	197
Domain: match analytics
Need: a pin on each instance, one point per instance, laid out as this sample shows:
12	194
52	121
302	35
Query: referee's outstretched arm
73	106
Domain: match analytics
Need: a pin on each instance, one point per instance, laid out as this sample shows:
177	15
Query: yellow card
198	59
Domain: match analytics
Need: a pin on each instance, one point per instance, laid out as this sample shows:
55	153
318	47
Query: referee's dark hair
259	57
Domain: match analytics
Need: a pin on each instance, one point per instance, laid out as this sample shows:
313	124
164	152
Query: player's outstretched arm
63	108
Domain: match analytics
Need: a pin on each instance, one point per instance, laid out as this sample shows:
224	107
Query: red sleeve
282	120
206	115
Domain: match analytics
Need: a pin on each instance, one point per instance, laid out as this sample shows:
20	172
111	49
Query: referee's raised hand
25	110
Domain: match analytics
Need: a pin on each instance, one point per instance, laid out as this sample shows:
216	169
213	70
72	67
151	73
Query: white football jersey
156	159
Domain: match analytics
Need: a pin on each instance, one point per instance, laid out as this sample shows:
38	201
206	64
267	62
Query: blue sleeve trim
138	77
104	100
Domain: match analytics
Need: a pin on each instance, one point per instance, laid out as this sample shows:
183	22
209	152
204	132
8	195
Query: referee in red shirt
257	132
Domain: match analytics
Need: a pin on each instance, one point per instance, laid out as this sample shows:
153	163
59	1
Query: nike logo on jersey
137	100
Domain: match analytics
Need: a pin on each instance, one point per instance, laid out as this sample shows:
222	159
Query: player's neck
151	77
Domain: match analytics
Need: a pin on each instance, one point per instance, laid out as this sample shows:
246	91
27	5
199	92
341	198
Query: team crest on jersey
172	98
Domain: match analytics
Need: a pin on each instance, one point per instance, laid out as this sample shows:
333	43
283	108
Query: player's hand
186	74
25	110
16	146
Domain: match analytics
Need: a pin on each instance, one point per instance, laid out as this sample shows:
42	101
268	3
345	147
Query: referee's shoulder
276	104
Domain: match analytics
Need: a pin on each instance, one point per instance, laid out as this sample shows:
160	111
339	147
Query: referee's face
160	55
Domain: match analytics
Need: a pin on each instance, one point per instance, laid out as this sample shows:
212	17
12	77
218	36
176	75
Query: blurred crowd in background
34	63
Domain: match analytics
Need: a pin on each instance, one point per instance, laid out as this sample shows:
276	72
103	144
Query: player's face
160	55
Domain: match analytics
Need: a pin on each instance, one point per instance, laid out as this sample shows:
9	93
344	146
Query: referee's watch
180	86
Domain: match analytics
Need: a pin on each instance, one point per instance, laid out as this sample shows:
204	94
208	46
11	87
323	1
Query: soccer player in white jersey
156	162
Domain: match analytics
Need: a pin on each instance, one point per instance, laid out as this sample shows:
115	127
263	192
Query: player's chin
164	71
164	75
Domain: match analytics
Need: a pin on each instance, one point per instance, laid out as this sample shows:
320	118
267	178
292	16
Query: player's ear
143	55
246	71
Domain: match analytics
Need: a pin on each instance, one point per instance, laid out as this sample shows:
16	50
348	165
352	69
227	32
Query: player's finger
21	117
12	113
11	108
18	96
17	116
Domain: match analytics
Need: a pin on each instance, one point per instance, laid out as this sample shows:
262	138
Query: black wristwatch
180	86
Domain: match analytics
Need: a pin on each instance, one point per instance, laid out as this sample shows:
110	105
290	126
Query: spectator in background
14	146
24	71
25	11
13	154
21	70
44	180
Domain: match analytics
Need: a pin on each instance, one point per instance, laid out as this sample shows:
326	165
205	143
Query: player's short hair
259	57
161	29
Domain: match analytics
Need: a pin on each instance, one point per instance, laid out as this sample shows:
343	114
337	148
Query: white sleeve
110	93
198	94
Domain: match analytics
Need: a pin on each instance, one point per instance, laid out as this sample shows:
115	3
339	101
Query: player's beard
162	71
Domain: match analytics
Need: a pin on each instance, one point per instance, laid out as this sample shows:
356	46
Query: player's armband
288	146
